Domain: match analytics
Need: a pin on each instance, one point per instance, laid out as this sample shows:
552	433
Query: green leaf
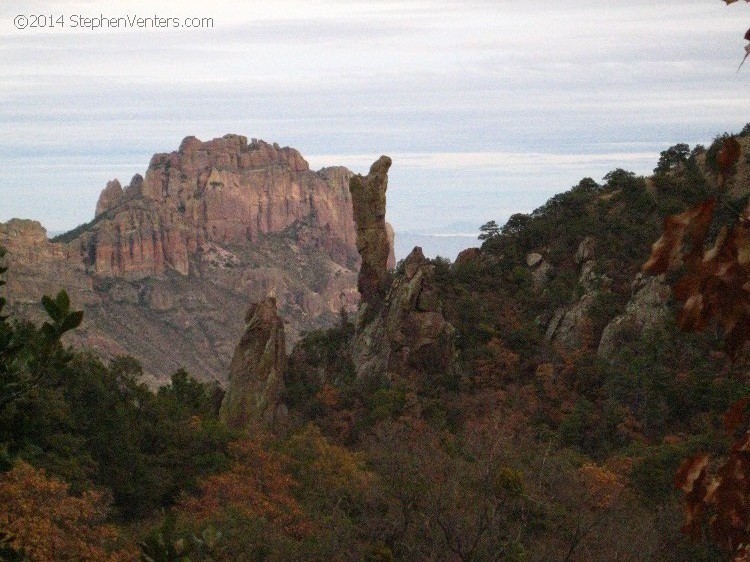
71	321
51	307
49	331
63	303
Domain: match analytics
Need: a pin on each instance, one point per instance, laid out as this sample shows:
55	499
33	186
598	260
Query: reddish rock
225	191
108	198
173	255
469	255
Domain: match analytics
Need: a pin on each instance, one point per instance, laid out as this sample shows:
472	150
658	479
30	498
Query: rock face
421	340
170	258
224	191
569	327
541	270
373	244
256	374
647	309
401	333
409	339
469	256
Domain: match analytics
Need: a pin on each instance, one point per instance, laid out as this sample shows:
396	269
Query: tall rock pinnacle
373	243
256	374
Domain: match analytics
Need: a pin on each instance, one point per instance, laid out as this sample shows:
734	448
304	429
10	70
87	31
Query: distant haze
486	107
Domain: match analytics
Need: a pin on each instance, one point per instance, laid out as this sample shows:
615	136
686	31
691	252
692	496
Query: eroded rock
256	374
168	259
401	333
373	244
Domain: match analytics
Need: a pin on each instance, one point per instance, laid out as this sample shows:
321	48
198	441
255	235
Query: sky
487	107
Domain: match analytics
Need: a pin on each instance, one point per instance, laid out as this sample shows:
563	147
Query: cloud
499	95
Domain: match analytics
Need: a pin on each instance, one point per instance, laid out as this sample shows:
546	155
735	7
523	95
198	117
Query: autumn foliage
715	281
42	520
256	487
714	286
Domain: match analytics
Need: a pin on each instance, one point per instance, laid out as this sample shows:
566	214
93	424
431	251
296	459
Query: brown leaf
691	471
692	479
688	228
716	285
736	414
727	157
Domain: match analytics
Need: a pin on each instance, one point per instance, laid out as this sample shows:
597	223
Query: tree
252	504
489	230
26	361
672	157
42	521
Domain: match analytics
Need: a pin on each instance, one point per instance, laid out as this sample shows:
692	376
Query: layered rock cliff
225	191
170	259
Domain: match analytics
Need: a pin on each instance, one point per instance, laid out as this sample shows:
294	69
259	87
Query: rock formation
170	258
569	327
401	333
469	256
647	309
420	338
373	244
224	191
541	270
256	374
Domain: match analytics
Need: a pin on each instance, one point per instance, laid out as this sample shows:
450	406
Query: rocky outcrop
168	259
108	198
256	374
469	256
570	327
421	340
373	244
647	309
409	339
401	333
585	251
225	191
37	267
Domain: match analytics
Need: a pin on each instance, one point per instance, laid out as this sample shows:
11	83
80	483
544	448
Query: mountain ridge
182	249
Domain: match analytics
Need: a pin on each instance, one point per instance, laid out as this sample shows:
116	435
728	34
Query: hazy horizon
487	108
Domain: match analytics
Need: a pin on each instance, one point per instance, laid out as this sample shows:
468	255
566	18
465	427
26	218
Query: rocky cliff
225	191
170	259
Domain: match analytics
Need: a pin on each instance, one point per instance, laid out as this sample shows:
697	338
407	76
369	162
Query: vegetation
529	451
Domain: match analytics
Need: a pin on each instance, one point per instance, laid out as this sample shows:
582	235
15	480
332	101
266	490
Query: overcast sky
487	108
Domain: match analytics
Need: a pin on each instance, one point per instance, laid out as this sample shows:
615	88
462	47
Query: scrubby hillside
531	401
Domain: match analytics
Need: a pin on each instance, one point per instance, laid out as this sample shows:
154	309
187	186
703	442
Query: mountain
533	400
170	262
